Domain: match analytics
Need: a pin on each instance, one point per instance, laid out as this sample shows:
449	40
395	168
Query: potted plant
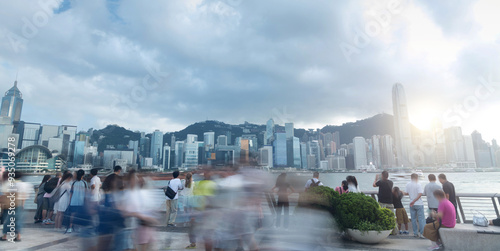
361	217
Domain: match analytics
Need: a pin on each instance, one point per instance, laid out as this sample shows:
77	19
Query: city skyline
57	147
297	71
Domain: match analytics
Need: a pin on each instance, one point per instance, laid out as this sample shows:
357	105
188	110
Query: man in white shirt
176	185
314	182
95	186
415	191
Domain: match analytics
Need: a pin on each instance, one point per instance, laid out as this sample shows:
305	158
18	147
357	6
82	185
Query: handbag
478	219
169	192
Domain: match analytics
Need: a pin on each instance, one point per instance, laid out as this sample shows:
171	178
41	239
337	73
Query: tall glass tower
269	132
12	104
157	147
402	130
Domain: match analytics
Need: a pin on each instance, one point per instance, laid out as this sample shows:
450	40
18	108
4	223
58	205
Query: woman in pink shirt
344	188
445	217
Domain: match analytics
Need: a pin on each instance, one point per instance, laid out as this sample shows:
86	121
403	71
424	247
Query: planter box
369	237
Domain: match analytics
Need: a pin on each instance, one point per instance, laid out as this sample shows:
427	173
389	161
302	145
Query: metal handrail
495	204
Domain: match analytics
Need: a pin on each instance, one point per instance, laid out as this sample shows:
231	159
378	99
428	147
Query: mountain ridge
118	137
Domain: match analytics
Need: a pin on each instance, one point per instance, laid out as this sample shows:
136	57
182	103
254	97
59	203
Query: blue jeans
417	211
18	223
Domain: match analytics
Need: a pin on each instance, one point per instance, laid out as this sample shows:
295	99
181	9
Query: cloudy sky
162	64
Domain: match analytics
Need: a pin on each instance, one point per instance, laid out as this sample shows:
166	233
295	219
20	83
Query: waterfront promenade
41	237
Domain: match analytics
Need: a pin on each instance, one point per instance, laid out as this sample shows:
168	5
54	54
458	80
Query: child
401	216
344	188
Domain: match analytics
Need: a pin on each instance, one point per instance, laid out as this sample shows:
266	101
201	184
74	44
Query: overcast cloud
150	65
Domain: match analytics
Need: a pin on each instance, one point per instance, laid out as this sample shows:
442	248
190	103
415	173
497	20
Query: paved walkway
307	237
275	239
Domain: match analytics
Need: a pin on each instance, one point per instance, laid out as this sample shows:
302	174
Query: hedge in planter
358	211
321	197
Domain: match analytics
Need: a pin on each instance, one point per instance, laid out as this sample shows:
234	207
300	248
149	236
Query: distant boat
471	170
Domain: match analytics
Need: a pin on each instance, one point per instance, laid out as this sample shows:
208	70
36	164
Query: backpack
314	184
51	185
57	194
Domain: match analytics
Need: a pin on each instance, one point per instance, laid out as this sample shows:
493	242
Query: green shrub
385	218
350	210
365	226
354	208
321	197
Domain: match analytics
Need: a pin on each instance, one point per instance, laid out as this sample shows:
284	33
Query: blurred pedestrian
62	200
111	219
39	199
20	191
77	210
187	193
352	184
284	190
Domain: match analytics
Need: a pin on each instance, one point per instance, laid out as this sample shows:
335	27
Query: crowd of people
223	209
119	211
441	204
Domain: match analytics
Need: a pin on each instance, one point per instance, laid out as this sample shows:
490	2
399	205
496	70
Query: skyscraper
455	147
179	153
222	140
266	156
359	145
289	130
269	132
402	130
209	140
166	156
12	104
386	151
279	150
157	147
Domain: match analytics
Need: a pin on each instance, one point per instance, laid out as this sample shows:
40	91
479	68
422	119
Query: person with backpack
61	198
175	185
314	182
76	209
39	199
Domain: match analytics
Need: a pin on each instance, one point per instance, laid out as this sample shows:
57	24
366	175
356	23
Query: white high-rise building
360	159
166	157
402	129
191	138
376	151
209	139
